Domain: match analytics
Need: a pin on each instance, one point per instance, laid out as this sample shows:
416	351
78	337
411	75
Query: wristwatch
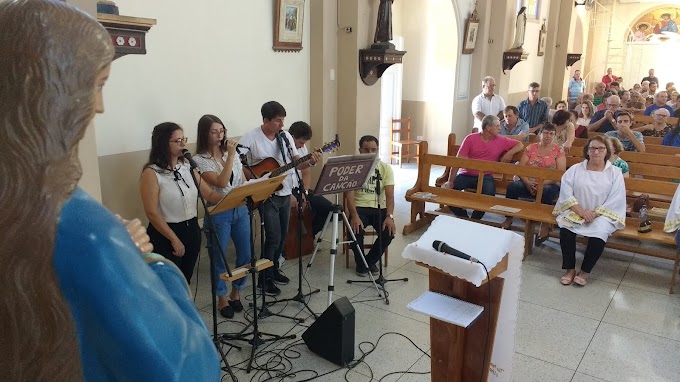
391	216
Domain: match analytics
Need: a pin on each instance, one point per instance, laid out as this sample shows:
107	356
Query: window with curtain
533	8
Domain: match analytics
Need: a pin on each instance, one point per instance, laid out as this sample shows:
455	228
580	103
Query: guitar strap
279	140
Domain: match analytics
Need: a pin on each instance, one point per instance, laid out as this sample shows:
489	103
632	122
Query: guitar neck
290	165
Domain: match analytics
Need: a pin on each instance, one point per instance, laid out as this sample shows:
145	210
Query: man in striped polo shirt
532	110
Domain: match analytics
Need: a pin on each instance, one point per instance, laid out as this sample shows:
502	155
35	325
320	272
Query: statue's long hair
51	56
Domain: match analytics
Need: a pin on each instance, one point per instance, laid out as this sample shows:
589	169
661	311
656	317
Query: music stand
213	239
250	193
340	174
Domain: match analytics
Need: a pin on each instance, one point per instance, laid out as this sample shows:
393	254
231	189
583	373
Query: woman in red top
545	154
608	78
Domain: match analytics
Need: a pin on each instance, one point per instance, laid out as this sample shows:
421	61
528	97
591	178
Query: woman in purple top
488	145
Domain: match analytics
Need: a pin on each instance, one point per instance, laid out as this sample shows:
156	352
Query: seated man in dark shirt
604	120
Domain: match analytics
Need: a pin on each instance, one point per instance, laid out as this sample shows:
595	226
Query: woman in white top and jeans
169	196
221	169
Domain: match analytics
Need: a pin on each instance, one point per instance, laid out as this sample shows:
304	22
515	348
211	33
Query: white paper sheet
446	308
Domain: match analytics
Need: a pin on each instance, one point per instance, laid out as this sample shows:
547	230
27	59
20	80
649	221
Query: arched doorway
430	36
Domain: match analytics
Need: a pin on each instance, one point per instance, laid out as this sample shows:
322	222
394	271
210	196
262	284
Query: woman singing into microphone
220	168
169	196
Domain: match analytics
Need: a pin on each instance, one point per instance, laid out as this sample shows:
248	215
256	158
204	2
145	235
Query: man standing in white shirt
487	103
269	141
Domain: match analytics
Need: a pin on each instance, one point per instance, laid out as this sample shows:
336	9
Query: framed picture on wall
542	34
288	22
471	32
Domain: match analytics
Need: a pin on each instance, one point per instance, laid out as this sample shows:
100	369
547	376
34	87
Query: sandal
538	241
542	238
236	305
567	280
578	280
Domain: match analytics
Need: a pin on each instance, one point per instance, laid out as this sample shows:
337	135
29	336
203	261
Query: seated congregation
586	190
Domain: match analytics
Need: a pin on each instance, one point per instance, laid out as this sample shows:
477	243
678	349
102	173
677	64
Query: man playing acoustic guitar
270	141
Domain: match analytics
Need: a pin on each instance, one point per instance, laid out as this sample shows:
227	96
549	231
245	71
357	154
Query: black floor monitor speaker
332	335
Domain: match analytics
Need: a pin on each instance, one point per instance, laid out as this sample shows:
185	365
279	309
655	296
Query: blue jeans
275	215
462	182
517	190
234	223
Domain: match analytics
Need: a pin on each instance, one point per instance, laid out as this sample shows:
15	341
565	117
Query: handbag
642	200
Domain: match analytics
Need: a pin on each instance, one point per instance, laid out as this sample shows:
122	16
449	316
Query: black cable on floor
281	364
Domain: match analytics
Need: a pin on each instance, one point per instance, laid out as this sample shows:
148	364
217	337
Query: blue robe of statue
135	320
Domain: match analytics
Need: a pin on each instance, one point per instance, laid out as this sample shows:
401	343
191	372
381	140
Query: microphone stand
297	192
257	339
381	280
218	339
264	310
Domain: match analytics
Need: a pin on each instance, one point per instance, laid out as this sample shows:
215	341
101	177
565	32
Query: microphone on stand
238	146
283	135
187	156
440	246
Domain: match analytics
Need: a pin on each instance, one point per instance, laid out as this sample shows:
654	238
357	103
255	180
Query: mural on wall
659	25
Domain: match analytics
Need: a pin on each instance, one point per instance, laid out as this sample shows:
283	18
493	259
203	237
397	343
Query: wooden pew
648	140
656	243
649	147
650	158
659	149
641	120
529	210
533	138
653	140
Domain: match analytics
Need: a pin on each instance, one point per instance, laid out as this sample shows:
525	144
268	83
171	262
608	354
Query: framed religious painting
471	33
288	22
542	36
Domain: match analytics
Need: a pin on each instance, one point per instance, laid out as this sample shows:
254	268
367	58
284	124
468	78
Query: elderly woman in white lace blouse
592	203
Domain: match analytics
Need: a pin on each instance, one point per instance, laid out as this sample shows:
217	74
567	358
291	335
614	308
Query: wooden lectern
457	353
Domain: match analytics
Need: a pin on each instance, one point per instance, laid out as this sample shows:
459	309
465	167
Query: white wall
430	34
202	57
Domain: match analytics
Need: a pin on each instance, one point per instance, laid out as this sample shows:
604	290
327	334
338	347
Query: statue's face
102	76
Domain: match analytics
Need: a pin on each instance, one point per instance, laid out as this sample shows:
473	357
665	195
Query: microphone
187	155
440	246
238	146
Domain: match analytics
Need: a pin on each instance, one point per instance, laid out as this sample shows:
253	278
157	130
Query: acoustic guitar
270	166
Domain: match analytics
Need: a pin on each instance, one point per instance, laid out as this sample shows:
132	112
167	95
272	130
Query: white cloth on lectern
483	242
489	245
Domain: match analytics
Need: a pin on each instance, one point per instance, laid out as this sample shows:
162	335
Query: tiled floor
623	326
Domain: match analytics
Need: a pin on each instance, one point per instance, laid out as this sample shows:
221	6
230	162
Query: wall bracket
512	57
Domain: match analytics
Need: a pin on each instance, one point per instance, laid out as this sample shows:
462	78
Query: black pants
189	233
594	249
276	215
369	217
321	207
